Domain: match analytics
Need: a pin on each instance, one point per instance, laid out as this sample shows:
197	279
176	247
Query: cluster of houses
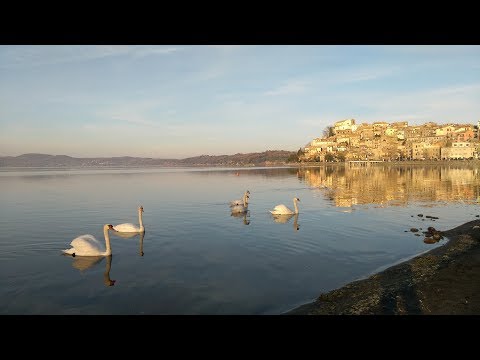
397	141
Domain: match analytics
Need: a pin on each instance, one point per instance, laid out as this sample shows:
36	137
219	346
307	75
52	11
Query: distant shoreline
294	165
442	281
269	158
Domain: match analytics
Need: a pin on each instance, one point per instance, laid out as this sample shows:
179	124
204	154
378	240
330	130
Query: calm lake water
197	257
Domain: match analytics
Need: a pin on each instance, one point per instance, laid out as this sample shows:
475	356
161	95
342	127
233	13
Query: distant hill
266	158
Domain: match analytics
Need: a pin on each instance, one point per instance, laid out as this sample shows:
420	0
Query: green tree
329	157
292	158
328	131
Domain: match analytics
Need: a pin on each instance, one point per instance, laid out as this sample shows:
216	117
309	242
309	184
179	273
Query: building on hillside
446	130
400	124
427	131
345	140
459	150
366	132
463	134
391	131
427	140
379	128
426	151
413	132
318	148
348	124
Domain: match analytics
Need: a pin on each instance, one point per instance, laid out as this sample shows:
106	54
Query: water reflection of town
348	186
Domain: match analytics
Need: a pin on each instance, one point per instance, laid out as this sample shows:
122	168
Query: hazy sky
181	101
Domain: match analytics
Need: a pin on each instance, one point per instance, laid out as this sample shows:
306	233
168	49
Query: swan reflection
285	218
83	263
127	235
244	215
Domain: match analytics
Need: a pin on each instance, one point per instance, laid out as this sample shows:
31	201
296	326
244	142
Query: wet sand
443	281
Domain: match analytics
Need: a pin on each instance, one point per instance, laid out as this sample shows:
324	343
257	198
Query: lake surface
195	257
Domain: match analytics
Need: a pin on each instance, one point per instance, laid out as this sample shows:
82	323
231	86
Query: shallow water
197	257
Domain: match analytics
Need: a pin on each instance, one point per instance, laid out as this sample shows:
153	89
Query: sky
166	101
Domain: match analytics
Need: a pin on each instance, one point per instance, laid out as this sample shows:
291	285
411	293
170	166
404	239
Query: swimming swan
241	201
88	245
132	228
239	209
282	209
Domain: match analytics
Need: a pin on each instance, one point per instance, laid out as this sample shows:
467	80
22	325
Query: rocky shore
443	281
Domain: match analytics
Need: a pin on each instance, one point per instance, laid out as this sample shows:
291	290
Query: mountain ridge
266	158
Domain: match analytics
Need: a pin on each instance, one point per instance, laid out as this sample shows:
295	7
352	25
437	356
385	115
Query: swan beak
112	282
73	254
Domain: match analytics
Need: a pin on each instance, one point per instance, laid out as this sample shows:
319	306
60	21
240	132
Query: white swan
132	228
241	201
88	245
282	209
240	208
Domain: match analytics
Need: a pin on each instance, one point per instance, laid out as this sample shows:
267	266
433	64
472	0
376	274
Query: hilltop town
383	141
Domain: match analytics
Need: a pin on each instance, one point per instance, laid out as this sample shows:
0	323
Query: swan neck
245	199
108	248
295	205
140	219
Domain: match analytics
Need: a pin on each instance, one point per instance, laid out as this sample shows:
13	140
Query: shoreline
441	281
267	164
394	163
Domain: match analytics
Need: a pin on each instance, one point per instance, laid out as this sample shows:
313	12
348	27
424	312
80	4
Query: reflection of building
396	185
